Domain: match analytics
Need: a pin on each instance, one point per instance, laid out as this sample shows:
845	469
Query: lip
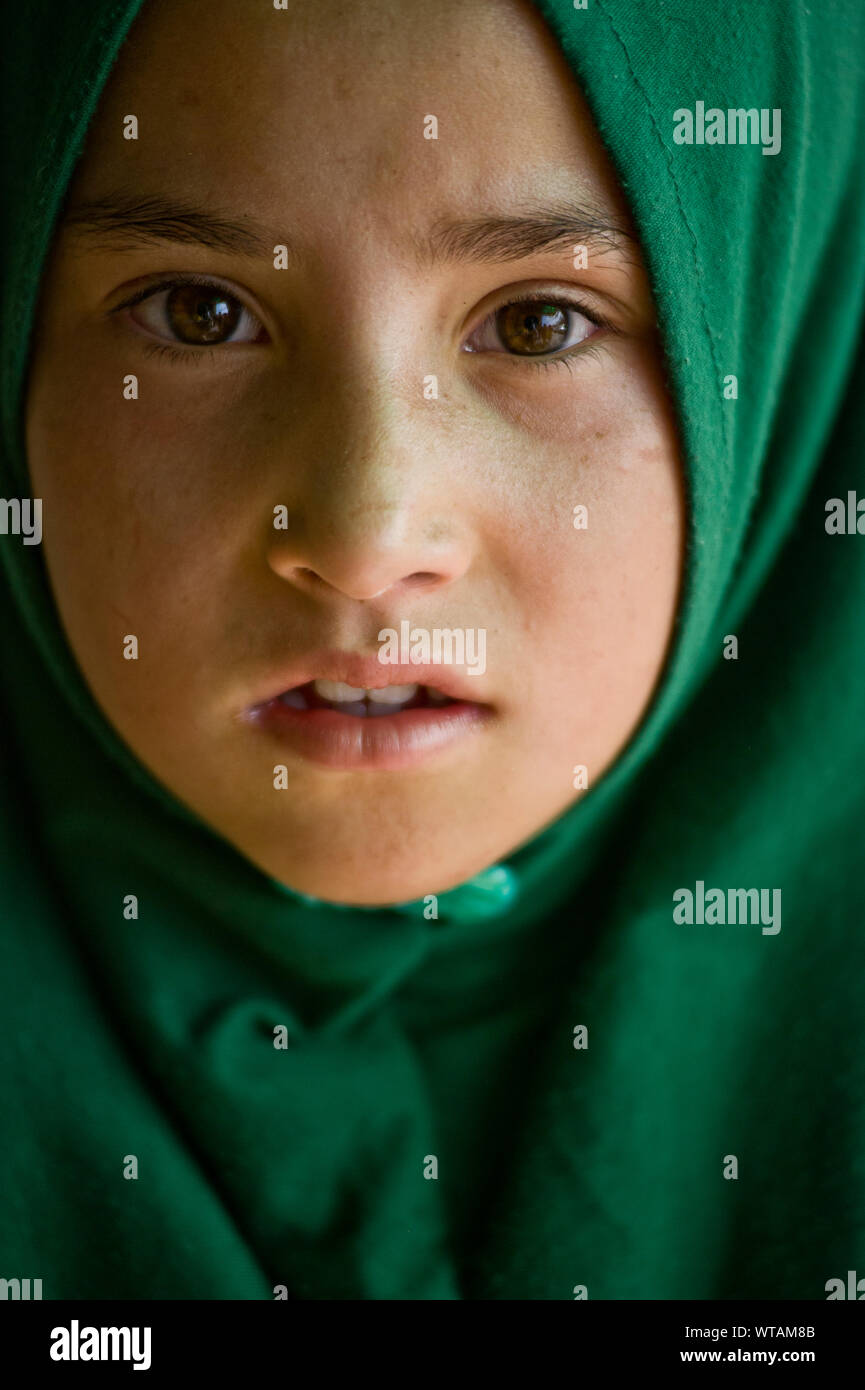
354	668
384	743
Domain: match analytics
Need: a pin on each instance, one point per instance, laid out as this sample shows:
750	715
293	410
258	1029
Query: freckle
600	434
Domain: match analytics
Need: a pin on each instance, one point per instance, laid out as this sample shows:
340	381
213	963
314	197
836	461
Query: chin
379	880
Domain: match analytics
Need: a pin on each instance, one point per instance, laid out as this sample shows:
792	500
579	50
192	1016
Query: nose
370	511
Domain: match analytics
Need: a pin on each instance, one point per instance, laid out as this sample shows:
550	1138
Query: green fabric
558	1166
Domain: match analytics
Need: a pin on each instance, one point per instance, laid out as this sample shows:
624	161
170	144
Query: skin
455	512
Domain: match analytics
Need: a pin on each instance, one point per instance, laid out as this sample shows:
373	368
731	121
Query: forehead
315	116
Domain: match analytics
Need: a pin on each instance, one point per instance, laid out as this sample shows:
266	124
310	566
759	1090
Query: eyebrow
555	227
121	221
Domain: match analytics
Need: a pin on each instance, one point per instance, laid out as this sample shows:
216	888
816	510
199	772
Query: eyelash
563	359
168	352
180	278
175	354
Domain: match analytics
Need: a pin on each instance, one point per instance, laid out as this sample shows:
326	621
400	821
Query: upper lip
368	673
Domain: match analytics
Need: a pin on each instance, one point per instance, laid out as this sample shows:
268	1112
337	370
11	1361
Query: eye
530	327
197	313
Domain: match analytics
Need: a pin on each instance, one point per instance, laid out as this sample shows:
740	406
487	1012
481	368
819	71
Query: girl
430	873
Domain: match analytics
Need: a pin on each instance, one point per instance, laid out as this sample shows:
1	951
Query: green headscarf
600	1159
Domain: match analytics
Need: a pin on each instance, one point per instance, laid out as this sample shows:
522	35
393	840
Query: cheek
137	525
136	490
599	497
599	598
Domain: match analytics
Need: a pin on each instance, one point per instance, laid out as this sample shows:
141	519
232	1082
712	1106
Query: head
311	367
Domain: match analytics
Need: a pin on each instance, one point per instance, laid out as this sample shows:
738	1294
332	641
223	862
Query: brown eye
202	314
199	315
532	327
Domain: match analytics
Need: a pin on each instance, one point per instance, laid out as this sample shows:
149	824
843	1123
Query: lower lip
386	743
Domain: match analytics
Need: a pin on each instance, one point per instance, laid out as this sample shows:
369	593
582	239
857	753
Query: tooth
393	694
336	692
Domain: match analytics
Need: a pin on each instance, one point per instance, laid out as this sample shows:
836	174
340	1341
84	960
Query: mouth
387	725
364	703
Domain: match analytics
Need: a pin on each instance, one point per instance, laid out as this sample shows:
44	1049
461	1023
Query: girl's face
390	421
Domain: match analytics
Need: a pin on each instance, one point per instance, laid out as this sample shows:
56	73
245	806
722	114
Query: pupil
200	315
